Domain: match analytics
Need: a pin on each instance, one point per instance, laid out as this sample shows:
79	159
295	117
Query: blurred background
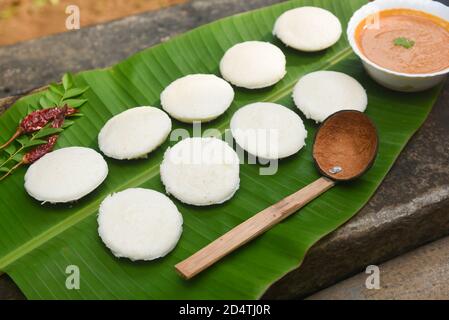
22	20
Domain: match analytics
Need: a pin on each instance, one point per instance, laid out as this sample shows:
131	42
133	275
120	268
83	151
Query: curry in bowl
405	40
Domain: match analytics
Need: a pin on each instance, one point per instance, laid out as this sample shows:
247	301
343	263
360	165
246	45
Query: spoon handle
251	228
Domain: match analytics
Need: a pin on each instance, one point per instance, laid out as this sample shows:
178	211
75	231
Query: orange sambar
429	35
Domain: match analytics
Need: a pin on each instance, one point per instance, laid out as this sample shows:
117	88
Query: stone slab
420	274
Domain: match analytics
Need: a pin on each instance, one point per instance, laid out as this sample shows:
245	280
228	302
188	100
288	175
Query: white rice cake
197	97
134	133
322	93
139	224
308	29
201	171
253	65
65	175
268	130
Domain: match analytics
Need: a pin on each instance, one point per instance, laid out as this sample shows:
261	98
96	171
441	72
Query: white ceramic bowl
404	82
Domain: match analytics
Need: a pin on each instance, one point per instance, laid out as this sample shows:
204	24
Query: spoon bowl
345	145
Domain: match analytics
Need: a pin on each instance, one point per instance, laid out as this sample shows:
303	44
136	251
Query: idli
253	65
308	29
201	171
134	133
65	175
268	130
139	224
322	93
197	97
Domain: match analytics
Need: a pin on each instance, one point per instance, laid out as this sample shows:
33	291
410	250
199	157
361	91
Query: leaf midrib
145	176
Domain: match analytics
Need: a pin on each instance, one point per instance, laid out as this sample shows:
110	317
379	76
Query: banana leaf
38	242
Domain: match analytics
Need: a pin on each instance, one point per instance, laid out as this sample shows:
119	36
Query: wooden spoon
345	147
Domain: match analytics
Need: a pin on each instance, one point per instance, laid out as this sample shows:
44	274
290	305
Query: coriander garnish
404	42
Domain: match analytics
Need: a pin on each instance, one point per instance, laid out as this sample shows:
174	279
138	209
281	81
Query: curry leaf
30	109
4	169
34	142
78	114
75	103
46	132
18	157
67	81
10	149
67	123
52	97
23	140
56	89
45	103
74	92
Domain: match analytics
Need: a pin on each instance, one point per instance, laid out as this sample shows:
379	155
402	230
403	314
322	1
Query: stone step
420	274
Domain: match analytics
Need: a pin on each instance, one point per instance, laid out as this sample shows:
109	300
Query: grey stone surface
422	273
35	63
410	208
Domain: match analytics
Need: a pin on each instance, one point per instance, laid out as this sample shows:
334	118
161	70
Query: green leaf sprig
57	95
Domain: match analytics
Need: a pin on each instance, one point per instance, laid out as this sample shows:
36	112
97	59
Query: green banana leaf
38	242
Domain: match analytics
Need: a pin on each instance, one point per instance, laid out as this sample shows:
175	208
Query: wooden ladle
345	147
